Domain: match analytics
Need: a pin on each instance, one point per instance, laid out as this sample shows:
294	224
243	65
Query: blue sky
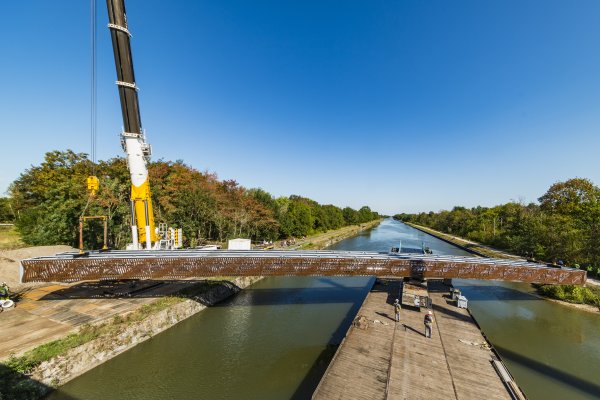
401	105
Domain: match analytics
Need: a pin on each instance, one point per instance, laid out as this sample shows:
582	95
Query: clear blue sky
401	105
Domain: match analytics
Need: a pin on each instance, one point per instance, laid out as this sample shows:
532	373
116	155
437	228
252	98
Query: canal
275	339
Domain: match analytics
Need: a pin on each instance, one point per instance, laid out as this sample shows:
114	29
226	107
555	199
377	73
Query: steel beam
181	264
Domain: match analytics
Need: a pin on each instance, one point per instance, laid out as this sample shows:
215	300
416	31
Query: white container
239	244
462	302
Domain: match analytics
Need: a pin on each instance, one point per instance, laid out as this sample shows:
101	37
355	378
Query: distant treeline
46	201
564	225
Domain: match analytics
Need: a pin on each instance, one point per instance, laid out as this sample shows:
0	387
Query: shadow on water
588	387
495	293
281	296
17	386
308	385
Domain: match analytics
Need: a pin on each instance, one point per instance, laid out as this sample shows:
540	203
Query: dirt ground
9	261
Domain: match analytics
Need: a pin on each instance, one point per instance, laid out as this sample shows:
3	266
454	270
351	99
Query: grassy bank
473	247
31	359
322	240
565	293
10	238
15	372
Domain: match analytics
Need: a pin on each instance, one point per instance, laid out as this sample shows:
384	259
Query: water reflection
552	350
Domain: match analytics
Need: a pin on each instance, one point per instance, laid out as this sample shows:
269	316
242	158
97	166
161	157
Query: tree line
564	225
46	201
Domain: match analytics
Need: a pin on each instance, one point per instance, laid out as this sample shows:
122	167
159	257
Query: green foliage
33	358
571	293
564	226
48	200
6	211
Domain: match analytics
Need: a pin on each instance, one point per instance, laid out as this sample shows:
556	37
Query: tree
565	225
570	197
350	216
6	212
51	197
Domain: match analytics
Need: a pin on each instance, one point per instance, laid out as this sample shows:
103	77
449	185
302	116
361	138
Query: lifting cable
93	120
93	85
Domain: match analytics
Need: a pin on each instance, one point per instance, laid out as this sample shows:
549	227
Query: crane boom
132	138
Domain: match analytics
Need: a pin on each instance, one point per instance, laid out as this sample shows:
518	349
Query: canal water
275	339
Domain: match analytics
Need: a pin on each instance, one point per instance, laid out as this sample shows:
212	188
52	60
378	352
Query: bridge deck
180	264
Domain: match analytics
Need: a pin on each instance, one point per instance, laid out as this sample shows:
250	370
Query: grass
26	363
481	249
10	238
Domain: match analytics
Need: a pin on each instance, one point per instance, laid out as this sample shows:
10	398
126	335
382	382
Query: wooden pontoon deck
392	360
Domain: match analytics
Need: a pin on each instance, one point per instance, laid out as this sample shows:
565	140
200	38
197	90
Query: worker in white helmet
428	321
397	308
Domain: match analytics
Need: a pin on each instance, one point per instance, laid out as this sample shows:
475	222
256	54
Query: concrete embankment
384	359
75	362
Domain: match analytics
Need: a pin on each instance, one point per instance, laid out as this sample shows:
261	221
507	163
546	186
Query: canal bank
34	374
466	245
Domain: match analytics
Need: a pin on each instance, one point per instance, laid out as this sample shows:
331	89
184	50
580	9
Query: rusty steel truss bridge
195	263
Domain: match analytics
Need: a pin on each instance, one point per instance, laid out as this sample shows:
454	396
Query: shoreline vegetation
45	202
38	371
562	228
583	298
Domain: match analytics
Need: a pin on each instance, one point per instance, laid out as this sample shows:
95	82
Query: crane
133	141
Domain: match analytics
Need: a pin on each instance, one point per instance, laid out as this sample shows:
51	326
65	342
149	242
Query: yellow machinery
143	230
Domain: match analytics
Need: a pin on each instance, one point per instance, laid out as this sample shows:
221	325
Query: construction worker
397	310
428	321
